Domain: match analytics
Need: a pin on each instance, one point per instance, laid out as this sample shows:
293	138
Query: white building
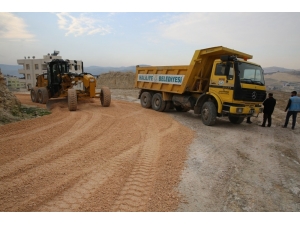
33	67
14	83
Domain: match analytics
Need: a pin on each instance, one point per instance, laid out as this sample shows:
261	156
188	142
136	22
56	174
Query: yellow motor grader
59	82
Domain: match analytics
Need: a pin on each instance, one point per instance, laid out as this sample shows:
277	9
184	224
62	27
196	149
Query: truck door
220	83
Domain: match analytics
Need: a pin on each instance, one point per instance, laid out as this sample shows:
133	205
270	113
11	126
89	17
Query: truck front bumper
245	110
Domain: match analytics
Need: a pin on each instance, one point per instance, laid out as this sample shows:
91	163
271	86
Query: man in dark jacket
292	108
269	105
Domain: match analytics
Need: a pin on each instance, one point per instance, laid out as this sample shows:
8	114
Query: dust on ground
117	158
127	158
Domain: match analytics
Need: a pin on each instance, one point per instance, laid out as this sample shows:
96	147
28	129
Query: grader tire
146	99
72	99
209	113
105	97
34	94
43	95
157	103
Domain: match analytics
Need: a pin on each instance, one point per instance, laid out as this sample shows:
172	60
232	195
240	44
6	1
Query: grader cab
59	82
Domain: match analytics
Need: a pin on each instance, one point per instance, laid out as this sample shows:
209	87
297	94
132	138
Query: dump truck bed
179	79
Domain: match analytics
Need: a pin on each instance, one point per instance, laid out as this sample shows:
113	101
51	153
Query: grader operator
59	82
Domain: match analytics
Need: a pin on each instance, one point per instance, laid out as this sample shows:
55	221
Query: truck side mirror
227	69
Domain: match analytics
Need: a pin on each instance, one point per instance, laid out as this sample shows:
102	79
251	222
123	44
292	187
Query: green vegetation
23	112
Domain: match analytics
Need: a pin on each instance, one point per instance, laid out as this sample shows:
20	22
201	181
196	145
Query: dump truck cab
237	88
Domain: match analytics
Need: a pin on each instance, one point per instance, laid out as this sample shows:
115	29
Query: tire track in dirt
135	194
8	136
60	142
28	126
87	185
104	159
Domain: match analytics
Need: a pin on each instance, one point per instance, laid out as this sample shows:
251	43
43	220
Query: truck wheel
105	97
209	113
72	99
146	99
43	95
34	94
157	103
236	119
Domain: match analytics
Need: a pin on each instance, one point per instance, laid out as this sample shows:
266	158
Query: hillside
275	69
96	70
283	82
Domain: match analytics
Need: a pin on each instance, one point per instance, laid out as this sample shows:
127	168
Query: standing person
293	107
269	105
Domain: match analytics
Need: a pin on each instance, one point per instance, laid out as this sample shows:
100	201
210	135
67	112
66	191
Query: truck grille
252	95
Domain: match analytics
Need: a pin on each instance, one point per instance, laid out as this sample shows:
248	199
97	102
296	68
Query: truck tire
146	100
105	97
43	95
209	113
157	103
34	94
236	119
72	99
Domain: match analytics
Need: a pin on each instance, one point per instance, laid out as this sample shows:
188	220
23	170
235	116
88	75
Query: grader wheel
105	97
72	99
34	94
42	95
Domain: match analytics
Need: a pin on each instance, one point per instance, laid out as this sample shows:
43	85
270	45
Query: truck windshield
251	74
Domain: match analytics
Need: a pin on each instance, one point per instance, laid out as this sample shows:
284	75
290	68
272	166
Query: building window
36	66
27	67
28	77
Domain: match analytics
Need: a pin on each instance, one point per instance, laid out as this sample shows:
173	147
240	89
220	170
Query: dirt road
127	158
117	158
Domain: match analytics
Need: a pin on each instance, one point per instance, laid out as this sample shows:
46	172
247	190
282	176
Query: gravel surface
127	158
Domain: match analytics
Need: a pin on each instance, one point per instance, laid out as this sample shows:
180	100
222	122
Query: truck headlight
239	110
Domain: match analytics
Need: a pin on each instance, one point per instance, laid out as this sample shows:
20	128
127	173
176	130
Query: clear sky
127	33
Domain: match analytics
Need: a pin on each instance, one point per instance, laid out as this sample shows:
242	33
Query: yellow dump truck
218	82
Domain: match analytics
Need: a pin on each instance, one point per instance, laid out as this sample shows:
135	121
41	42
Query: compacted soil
117	158
127	158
